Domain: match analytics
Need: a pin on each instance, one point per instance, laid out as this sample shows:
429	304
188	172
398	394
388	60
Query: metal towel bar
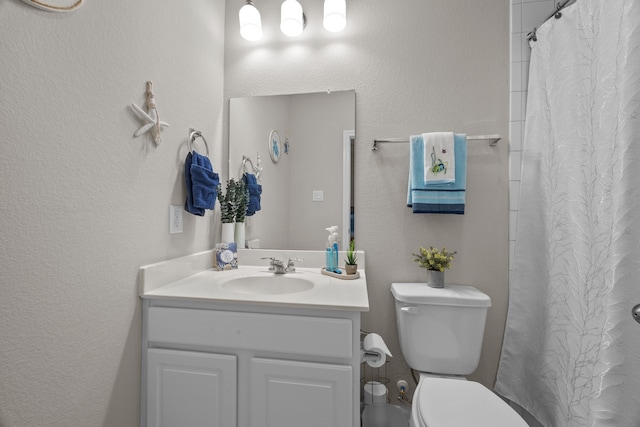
493	140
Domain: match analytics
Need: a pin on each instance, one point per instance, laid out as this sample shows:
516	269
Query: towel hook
243	166
193	134
256	170
246	160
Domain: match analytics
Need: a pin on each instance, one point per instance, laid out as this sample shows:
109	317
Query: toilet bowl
448	402
440	332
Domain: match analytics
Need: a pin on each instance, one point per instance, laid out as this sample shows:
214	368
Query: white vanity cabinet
228	365
286	393
187	388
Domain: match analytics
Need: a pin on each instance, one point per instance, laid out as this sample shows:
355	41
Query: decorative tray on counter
343	275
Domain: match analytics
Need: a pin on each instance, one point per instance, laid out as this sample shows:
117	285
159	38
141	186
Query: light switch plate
318	195
175	219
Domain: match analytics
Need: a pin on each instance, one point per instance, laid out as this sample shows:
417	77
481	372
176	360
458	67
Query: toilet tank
440	329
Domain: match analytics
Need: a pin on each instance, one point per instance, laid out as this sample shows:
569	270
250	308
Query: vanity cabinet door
292	394
191	389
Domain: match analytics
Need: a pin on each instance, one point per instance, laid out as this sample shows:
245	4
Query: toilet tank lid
457	295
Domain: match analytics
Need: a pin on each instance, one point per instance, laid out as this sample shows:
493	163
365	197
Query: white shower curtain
571	352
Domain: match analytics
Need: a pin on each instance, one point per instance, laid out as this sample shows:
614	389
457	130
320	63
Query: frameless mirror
302	145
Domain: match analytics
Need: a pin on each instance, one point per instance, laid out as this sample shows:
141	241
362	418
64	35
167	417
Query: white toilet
441	332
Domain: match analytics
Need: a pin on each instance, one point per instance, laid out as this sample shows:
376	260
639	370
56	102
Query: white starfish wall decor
152	119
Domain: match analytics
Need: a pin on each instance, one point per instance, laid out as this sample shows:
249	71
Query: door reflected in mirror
306	177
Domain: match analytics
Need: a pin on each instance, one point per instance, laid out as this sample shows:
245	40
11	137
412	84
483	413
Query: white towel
439	158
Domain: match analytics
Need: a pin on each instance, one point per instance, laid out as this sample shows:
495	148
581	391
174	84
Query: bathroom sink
276	284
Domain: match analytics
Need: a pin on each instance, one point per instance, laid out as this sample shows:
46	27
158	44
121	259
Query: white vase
227	232
435	279
240	235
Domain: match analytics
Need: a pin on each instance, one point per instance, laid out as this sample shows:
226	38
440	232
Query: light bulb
291	20
335	15
250	23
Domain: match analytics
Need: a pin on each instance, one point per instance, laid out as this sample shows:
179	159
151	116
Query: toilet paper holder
373	350
376	377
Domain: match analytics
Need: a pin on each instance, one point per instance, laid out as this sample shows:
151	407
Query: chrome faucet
291	266
277	267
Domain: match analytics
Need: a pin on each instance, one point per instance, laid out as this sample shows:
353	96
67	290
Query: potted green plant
240	202
227	213
436	261
351	261
233	210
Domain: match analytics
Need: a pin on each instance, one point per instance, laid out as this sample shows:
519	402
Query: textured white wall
84	204
416	66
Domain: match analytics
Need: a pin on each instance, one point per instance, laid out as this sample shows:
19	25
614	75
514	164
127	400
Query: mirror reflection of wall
318	128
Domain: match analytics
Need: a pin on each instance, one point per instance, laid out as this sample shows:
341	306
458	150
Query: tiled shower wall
525	15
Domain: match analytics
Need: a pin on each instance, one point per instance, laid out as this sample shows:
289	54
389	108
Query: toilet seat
442	402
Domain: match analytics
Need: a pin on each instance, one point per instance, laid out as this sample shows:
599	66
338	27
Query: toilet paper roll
375	351
375	393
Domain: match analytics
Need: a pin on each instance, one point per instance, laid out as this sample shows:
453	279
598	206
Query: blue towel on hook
436	198
255	190
201	183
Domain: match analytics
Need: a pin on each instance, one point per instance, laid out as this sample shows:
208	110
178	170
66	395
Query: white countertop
193	278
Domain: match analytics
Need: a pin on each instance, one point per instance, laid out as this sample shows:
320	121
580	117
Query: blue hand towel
201	183
255	190
436	198
188	206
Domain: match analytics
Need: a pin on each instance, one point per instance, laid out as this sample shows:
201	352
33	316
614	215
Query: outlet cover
175	219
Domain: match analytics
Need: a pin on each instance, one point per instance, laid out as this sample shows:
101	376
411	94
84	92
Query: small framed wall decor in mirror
274	146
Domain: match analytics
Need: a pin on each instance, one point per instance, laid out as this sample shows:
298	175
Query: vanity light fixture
335	15
292	20
250	22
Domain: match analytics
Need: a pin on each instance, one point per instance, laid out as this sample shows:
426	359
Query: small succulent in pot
351	261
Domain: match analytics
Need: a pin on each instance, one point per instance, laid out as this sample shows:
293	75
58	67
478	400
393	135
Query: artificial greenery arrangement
233	202
227	215
351	259
434	259
241	200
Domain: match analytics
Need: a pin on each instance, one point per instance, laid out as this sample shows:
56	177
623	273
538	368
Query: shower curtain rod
493	140
557	14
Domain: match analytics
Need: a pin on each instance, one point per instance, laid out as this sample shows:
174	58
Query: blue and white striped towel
436	198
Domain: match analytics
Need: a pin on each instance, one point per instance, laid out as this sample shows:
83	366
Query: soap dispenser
329	259
331	251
